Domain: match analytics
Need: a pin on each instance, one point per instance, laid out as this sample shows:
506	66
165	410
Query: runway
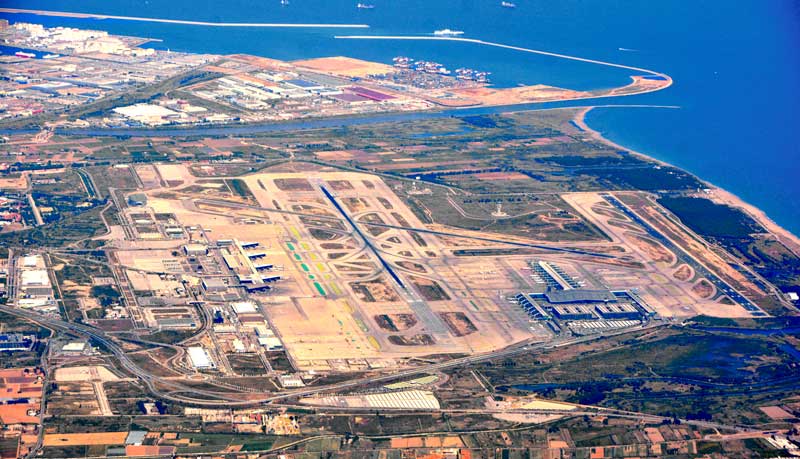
66	14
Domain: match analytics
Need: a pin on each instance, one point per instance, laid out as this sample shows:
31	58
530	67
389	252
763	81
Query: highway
235	399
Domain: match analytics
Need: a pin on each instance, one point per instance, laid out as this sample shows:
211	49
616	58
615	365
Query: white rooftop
199	357
74	347
243	307
144	110
35	277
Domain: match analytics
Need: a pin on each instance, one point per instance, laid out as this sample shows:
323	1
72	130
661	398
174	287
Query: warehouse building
199	358
214	285
194	250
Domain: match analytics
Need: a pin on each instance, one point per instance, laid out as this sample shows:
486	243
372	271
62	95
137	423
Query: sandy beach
715	193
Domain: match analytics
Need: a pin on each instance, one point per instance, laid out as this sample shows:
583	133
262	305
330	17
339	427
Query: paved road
228	400
182	393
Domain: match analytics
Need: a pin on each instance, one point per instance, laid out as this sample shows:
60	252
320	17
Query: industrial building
199	358
243	307
194	250
214	285
75	347
10	342
35	289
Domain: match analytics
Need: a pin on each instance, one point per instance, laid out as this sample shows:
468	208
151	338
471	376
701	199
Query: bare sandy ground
345	66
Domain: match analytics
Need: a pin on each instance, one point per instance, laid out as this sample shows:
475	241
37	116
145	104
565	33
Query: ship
51	56
508	5
284	2
472	75
448	33
365	6
25	55
402	62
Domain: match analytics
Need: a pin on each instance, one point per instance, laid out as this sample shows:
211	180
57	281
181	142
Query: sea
735	64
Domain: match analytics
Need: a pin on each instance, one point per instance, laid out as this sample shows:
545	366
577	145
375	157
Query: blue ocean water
736	65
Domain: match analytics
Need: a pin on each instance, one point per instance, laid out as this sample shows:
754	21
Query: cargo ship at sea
365	6
448	33
25	55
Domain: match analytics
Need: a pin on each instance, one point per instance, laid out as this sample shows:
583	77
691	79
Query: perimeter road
66	14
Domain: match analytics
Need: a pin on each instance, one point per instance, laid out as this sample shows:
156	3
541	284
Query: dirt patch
703	289
345	66
309	209
375	290
322	235
371	218
376	231
400	220
429	289
99	438
355	205
411	266
684	273
491	176
458	323
418	239
413	340
607	211
623	224
385	203
654	250
396	322
293	184
340	185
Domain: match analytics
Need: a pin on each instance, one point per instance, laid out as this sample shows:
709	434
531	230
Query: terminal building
531	307
573	312
554	276
615	311
583	304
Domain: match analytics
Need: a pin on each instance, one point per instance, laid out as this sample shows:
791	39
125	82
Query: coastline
716	194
